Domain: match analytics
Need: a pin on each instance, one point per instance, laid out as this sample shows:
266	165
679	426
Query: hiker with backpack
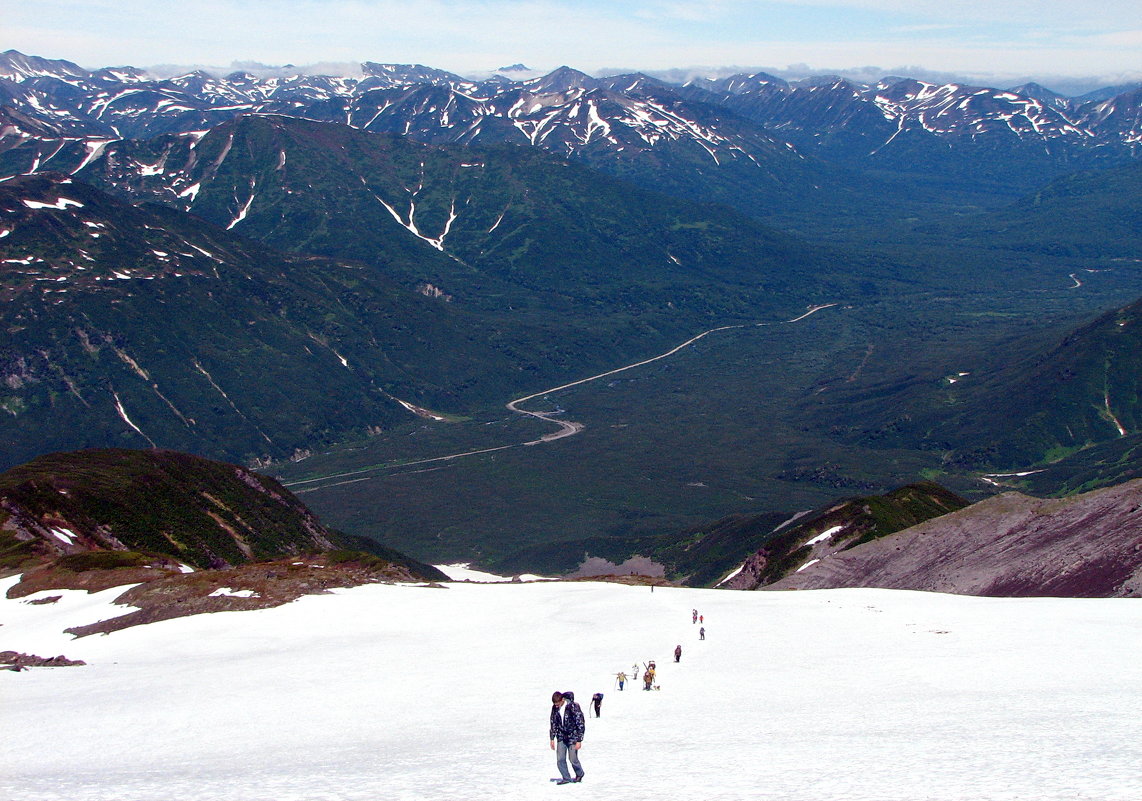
566	732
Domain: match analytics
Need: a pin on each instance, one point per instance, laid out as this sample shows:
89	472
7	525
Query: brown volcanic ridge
1010	545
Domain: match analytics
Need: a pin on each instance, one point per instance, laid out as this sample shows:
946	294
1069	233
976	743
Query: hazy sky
1016	38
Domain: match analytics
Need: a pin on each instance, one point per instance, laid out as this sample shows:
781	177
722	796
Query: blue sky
1012	38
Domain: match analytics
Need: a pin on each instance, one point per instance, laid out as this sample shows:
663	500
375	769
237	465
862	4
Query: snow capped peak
563	111
15	66
563	79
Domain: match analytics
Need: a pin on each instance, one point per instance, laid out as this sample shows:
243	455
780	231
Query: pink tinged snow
65	535
824	535
226	592
412	692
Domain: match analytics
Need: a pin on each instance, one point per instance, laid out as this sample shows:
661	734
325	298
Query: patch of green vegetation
14	406
102	560
13	552
141	497
367	560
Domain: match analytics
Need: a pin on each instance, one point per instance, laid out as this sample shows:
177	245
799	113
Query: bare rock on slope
1011	545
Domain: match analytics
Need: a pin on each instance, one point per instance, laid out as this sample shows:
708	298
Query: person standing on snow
678	653
702	633
566	732
597	703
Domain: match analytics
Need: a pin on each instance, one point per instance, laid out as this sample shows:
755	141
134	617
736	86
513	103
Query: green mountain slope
144	326
113	508
1025	404
1083	215
489	227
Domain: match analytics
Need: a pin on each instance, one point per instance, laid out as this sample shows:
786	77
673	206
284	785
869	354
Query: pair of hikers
648	677
566	732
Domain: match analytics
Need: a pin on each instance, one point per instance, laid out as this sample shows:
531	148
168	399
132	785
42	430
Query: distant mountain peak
562	79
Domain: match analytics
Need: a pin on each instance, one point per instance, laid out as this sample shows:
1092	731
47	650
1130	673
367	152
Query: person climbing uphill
648	677
678	653
566	732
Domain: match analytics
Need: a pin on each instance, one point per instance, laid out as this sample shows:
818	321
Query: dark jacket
573	724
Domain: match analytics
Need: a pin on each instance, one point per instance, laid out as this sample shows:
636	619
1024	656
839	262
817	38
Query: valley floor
409	692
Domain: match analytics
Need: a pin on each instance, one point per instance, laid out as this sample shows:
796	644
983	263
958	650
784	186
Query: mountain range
749	140
353	272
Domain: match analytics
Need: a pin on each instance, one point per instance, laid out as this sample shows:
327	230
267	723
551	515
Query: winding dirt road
567	428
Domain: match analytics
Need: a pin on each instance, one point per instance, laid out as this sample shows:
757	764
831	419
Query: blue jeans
562	751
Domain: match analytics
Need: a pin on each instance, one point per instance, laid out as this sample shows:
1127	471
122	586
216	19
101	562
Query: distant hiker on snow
702	633
648	677
694	616
621	679
566	732
677	653
597	703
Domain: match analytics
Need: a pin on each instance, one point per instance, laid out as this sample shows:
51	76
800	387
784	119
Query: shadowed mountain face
142	326
116	508
1088	545
471	271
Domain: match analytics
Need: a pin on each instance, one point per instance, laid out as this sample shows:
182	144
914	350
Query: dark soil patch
54	577
261	585
18	661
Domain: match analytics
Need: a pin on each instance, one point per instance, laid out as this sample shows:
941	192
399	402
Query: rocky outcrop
1087	545
13	660
807	538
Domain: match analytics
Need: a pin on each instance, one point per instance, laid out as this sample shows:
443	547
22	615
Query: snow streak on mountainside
567	112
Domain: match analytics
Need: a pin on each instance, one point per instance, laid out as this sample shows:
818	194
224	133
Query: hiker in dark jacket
566	732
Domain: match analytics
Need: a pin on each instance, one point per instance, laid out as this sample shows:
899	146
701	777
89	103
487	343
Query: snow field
407	692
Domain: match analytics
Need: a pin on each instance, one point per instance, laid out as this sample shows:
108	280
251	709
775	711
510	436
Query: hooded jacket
570	728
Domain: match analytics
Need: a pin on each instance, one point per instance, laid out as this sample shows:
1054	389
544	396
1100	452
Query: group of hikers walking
568	724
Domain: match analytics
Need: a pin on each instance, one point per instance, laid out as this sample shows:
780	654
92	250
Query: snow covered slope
409	692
